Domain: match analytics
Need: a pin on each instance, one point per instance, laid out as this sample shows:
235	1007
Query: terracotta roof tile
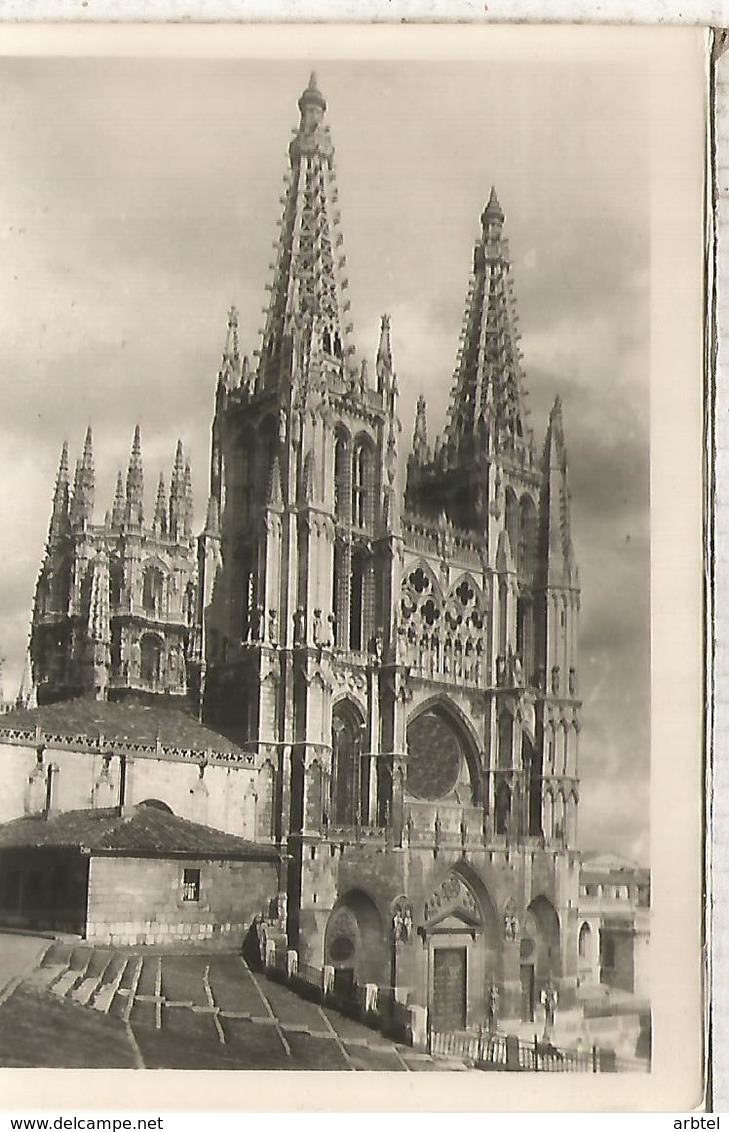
145	830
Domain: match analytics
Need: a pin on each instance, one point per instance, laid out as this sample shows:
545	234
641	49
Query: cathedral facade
399	660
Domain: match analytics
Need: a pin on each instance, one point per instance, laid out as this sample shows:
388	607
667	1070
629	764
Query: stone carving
510	921
402	920
549	999
300	626
451	894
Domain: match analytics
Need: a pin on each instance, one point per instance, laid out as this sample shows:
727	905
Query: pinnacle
136	453
88	453
312	96
62	477
493	212
179	459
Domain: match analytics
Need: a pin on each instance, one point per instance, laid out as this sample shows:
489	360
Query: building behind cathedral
379	678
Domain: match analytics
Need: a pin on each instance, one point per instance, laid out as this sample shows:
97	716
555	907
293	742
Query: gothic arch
541	941
511	521
526	552
152	652
467	577
442	711
356	938
548	813
241	473
420	587
267	443
584	940
361	596
443	703
342	473
116	581
154	586
363	481
347	787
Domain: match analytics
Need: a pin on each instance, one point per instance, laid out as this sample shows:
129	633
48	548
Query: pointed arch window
151	660
527	549
357	600
342	475
244	476
153	588
362	465
116	583
347	734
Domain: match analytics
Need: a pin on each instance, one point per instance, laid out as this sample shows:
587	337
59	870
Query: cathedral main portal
449	988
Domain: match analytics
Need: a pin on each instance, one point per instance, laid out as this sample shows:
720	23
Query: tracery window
153	591
341	477
362	486
347	734
443	636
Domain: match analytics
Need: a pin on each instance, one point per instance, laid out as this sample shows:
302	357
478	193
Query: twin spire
308	300
73	507
487	399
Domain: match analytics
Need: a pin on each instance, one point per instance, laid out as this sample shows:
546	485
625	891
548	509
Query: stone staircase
90	976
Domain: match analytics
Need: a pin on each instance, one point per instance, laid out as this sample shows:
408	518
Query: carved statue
493	1009
549	1000
273	626
136	657
299	626
402	921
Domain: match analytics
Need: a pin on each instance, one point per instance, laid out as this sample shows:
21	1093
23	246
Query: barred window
191	886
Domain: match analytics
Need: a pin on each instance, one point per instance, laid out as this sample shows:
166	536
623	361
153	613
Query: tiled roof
146	830
127	722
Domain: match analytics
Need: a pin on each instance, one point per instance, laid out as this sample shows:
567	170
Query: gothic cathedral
402	663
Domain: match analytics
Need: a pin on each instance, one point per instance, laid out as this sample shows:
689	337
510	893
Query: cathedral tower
402	665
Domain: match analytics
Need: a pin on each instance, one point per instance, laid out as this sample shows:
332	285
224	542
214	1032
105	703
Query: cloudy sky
139	198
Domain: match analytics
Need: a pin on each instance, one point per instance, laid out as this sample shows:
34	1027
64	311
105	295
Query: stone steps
106	993
84	992
43	977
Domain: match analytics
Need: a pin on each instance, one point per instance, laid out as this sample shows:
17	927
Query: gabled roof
124	724
146	831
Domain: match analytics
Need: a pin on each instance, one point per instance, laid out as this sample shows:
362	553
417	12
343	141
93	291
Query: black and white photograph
328	580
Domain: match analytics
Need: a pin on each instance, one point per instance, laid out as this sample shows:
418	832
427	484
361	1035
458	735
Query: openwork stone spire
561	568
135	483
487	396
84	487
160	508
177	493
307	293
59	515
230	368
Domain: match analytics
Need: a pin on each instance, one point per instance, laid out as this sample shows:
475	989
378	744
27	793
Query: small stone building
133	877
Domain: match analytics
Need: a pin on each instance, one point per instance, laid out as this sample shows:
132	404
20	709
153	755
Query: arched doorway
460	928
355	942
540	958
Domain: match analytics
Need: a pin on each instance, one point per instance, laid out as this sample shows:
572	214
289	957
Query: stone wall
141	900
221	797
